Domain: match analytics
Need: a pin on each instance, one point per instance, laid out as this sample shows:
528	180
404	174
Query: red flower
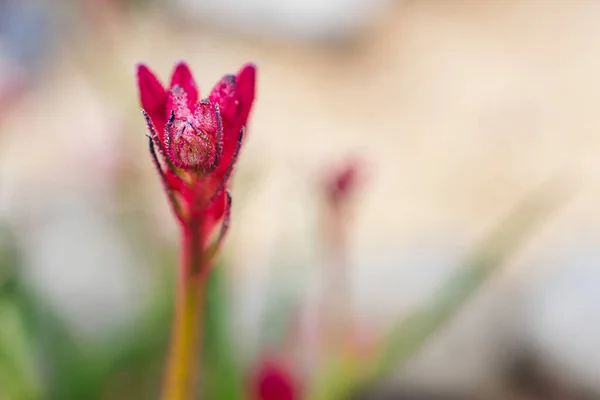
341	182
273	381
198	140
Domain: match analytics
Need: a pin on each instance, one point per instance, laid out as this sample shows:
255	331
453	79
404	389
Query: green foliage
20	377
40	358
341	377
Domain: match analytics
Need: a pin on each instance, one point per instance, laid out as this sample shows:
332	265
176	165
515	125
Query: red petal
153	97
217	208
176	183
246	91
178	102
224	95
214	213
235	95
205	118
182	76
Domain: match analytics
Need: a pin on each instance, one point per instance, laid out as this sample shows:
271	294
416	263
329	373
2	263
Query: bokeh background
458	110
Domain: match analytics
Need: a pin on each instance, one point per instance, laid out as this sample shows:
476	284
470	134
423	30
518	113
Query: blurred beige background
459	108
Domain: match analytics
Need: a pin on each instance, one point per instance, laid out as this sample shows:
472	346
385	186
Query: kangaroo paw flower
195	143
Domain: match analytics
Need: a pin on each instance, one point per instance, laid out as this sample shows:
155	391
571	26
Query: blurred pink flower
274	381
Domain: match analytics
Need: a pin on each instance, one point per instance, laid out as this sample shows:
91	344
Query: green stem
183	358
336	318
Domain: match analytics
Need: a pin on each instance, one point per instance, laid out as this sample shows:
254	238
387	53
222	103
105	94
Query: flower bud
193	139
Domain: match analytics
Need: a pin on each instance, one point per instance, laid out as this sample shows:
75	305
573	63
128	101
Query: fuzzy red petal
194	141
177	101
216	210
235	96
246	91
214	213
223	94
183	77
205	118
153	97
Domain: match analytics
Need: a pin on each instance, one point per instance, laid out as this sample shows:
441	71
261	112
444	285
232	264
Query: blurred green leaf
130	363
343	376
36	350
20	378
60	355
81	370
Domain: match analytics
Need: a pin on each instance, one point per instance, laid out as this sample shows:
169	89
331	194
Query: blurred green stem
342	375
336	304
182	362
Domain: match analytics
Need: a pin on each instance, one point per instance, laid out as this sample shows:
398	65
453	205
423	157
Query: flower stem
337	305
183	358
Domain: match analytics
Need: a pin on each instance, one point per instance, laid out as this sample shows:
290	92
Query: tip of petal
144	74
180	62
181	68
249	66
141	66
182	76
247	72
246	87
152	94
